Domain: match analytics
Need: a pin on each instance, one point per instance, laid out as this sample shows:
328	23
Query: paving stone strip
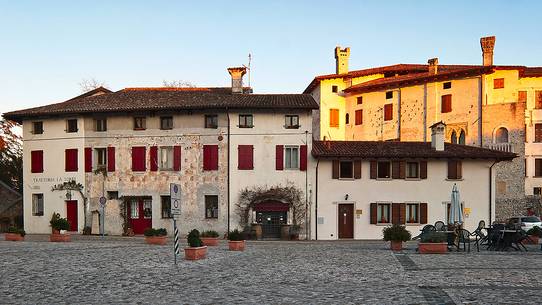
436	295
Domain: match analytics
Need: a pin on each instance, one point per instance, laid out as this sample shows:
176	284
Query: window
538	167
412	213
538	99
384	169
140	123
462	137
211	206
359	117
211	121
538	133
37	127
112	195
101	157
210	157
388	112
498	83
166	206
346	169
389	95
166	122
334	89
522	96
501	135
333	117
453	137
166	158
347	119
454	169
36	161
446	103
359	100
70	159
291	121
134	209
37	204
100	124
447	85
138	159
412	170
147	208
383	213
71	125
245	160
246	121
537	191
291	157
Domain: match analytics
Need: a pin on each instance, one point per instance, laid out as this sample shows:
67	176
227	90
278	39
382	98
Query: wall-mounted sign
359	212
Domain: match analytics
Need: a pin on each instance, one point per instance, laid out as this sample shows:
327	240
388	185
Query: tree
11	155
91	84
178	84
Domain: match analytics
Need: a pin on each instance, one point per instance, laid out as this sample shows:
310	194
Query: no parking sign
175	194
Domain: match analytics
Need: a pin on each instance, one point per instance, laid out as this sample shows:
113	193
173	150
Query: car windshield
530	219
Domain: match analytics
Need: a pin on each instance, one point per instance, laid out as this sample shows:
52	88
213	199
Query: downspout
491	190
307	189
316	201
399	114
425	112
228	192
480	108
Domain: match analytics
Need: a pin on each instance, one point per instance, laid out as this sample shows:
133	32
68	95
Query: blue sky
48	47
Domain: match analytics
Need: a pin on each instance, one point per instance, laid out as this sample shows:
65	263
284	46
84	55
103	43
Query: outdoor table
451	239
507	238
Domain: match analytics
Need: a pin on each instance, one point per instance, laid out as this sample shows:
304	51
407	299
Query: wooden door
346	221
71	214
140	214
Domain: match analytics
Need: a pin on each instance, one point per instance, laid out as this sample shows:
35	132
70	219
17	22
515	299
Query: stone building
487	105
11	208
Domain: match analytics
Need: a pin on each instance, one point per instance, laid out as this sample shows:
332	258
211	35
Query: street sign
103	200
175	194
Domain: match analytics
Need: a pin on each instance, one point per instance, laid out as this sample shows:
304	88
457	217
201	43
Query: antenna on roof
248	67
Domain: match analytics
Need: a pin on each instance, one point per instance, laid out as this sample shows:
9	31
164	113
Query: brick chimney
237	79
487	44
433	65
437	136
341	60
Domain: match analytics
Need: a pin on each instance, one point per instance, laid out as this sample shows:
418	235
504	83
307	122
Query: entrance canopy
271	206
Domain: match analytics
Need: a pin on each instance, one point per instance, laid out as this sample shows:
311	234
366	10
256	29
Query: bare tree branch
88	84
178	84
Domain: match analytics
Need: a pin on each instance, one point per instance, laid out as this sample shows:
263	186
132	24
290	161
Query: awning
271	207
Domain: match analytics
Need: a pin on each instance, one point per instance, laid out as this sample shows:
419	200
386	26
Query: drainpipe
491	190
228	192
316	201
425	112
307	189
480	108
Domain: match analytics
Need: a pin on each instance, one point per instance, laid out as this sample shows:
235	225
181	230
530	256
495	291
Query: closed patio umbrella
456	212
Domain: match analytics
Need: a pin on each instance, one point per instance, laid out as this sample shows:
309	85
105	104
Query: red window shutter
245	158
153	152
303	158
359	117
522	96
111	159
423	213
446	103
388	112
70	159
36	160
357	169
177	158
335	169
538	99
88	159
373	213
210	157
373	170
279	157
498	83
138	159
423	169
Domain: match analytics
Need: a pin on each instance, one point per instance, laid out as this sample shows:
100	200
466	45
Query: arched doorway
271	215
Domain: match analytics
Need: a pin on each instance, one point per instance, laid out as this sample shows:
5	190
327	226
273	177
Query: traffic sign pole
175	195
176	240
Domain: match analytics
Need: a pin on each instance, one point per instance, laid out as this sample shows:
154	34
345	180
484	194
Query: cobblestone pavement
127	271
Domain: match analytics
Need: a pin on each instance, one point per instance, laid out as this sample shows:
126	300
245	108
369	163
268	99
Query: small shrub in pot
15	234
195	250
155	236
209	238
236	240
396	234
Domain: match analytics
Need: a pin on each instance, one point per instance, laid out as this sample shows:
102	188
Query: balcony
506	147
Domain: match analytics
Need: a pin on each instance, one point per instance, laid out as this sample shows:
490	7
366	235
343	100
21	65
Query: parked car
525	222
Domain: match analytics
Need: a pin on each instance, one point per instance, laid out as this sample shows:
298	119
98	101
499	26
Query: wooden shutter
374	165
423	169
111	159
177	151
538	133
538	167
522	96
395	169
36	160
88	159
303	158
423	213
153	156
359	117
279	157
70	159
498	83
210	157
138	159
245	158
395	213
373	213
402	170
357	169
388	112
459	170
538	99
402	213
335	169
333	117
452	169
446	103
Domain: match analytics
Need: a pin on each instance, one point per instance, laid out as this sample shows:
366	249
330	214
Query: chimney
437	136
341	60
487	44
433	65
237	79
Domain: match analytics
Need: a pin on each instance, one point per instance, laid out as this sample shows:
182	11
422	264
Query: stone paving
126	271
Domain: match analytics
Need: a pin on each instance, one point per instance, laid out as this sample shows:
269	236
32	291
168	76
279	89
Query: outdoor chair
520	238
440	226
465	237
494	236
482	237
425	229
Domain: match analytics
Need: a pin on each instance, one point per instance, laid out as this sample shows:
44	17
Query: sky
49	47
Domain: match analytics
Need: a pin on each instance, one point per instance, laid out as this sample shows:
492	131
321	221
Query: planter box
156	240
195	253
434	248
396	245
209	241
534	241
236	245
60	238
14	237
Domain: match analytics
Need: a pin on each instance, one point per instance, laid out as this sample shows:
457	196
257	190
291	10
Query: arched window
453	138
501	135
462	137
347	118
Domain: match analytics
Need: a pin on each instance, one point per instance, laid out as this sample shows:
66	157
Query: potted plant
294	232
59	227
155	236
433	242
396	234
195	250
15	234
534	235
236	241
209	238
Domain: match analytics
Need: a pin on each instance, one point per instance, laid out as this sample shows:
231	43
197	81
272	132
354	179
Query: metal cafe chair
425	229
480	234
465	238
440	226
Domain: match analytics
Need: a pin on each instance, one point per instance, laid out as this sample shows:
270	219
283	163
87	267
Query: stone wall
11	208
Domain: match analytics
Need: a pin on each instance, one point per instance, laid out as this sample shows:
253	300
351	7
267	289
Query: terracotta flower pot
14	237
195	253
434	248
236	245
533	240
396	245
60	238
156	240
55	231
209	241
